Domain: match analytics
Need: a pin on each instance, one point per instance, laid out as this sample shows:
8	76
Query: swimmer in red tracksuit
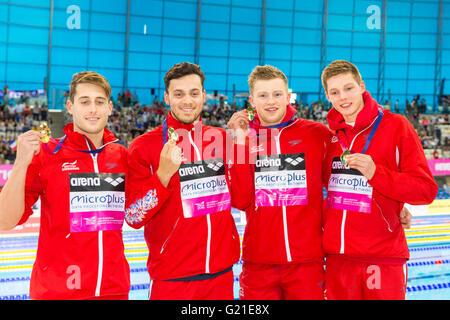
282	248
80	180
386	167
184	200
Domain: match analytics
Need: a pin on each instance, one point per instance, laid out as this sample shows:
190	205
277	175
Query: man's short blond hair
90	77
266	72
338	67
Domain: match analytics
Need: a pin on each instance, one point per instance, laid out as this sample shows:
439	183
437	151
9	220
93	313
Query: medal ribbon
280	125
369	138
59	145
165	131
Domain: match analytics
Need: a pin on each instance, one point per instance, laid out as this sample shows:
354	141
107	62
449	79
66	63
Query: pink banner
96	221
205	205
281	197
349	201
439	167
5	171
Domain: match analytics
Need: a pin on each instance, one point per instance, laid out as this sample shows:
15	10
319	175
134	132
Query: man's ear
362	85
166	98
69	106
250	99
110	107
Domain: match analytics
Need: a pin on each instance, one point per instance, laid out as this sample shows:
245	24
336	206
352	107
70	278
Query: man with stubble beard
181	188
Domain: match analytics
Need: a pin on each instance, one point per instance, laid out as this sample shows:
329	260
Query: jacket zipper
344	214
100	242
285	226
168	237
208	244
208	217
100	234
384	218
344	217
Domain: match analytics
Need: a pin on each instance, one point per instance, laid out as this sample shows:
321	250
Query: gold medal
173	135
45	131
344	156
251	112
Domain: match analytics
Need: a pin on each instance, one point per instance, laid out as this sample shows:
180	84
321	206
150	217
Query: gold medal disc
172	133
45	131
344	156
251	113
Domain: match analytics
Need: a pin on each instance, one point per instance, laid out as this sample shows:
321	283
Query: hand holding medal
176	154
28	145
361	162
238	125
169	161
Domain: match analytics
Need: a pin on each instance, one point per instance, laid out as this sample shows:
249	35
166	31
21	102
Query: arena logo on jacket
97	201
348	189
280	180
203	186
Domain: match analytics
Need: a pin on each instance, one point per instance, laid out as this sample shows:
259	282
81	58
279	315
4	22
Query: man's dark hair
183	69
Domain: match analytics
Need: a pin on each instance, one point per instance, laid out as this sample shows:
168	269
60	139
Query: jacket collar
364	118
174	123
79	139
290	115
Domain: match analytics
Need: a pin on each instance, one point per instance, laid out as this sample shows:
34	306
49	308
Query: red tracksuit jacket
402	176
78	256
285	234
180	245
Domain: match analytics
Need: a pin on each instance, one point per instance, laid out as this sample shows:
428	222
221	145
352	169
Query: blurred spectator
425	123
127	98
408	108
44	111
422	106
134	98
435	154
27	109
12	110
5	92
36	111
438	133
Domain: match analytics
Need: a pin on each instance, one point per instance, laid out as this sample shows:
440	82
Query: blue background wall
228	39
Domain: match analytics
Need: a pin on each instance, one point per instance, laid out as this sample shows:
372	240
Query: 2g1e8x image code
250	309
